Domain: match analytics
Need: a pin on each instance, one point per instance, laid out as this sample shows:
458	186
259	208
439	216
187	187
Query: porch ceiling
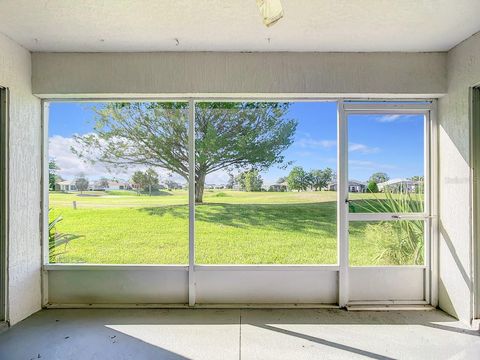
235	25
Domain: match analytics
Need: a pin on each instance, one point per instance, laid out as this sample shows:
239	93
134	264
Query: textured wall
456	286
241	73
25	140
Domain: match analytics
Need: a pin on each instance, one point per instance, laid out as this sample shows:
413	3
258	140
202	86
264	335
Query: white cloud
308	142
217	177
388	118
361	164
362	148
311	143
394	117
59	148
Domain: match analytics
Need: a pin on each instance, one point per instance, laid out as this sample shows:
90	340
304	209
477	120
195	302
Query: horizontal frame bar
108	267
388	267
266	267
233	97
186	306
387	216
388	302
386	107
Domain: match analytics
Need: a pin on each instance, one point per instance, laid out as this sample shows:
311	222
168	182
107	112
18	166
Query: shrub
57	242
372	187
399	242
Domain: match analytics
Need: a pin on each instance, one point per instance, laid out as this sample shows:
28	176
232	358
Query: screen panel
118	175
266	173
386	162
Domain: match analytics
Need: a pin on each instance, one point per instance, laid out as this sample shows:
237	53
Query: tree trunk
199	187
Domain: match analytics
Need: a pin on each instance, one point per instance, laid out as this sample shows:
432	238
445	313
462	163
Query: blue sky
386	143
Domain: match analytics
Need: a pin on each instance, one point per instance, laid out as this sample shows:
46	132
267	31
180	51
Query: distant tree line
249	180
316	179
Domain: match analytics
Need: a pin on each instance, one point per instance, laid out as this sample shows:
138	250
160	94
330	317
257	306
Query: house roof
66	182
117	183
396	181
357	182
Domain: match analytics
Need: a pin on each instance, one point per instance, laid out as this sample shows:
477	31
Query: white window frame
344	107
4	203
430	198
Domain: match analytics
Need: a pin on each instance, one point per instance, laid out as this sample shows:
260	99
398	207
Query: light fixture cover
271	11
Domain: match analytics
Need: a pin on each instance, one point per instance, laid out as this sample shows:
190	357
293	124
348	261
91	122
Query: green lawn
232	227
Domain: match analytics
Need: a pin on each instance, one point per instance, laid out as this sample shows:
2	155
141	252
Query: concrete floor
238	334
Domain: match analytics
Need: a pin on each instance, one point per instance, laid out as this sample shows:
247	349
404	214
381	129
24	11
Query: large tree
231	181
138	181
298	179
147	180
52	174
250	180
228	135
151	180
81	183
320	178
103	183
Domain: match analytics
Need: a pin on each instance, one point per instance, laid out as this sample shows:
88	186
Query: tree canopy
316	179
81	182
298	179
250	180
319	179
379	177
52	174
147	180
372	187
227	135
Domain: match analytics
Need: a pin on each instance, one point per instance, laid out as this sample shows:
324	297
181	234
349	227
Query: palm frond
57	242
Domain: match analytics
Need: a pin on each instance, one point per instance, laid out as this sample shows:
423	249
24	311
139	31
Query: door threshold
196	306
390	307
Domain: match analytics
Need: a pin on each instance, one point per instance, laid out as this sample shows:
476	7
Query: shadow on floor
223	334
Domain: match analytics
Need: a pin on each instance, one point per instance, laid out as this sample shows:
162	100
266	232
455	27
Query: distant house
65	185
399	185
353	186
331	186
356	186
118	185
279	187
110	185
95	186
214	186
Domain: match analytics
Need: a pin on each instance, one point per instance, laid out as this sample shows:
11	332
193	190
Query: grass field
232	227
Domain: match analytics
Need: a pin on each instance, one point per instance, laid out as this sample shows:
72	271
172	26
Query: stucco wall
455	258
398	74
24	178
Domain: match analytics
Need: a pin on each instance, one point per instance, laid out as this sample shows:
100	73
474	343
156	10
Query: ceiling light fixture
271	11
